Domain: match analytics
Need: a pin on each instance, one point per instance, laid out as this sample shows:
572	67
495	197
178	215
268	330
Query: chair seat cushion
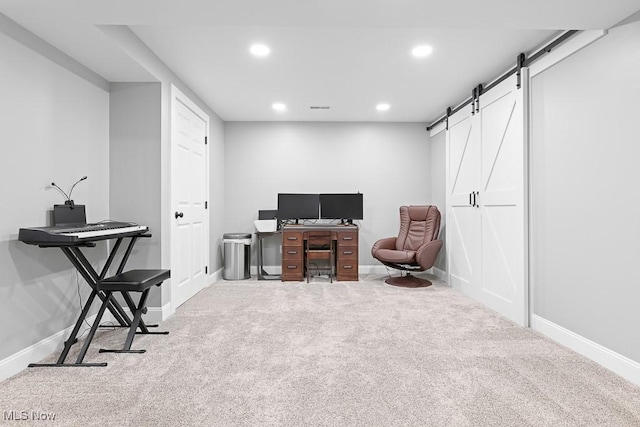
134	280
396	257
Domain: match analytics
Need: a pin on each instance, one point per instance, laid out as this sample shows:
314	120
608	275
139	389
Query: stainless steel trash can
237	256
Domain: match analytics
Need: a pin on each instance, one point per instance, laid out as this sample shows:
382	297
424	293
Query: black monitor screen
268	214
298	206
341	206
65	215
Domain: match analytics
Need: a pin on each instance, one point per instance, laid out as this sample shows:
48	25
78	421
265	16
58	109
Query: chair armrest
387	243
427	253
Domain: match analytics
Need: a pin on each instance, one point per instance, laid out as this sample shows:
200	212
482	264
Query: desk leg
260	270
262	274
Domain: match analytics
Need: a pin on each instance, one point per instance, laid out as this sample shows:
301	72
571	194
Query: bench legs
135	324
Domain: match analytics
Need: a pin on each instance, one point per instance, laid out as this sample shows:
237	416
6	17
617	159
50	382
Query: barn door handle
179	214
470	197
475	201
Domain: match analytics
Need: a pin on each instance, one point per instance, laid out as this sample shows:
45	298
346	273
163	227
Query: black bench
132	281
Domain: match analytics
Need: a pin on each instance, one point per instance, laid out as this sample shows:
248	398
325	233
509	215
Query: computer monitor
66	215
268	214
298	206
341	206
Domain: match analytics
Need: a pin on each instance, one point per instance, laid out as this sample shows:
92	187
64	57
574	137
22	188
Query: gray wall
135	168
54	127
439	189
130	43
585	204
387	162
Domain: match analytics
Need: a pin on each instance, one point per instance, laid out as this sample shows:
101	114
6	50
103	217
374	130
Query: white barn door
463	220
189	187
502	201
486	219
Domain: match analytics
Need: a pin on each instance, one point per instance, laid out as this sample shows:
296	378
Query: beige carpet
357	353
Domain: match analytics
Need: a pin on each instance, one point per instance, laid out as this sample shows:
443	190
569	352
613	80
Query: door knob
179	215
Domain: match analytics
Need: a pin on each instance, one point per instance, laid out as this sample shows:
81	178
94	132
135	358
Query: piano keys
78	234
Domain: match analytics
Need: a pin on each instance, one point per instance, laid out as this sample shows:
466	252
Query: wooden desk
344	237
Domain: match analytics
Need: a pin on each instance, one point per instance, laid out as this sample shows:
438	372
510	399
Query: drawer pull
347	238
347	267
292	252
347	252
292	238
292	267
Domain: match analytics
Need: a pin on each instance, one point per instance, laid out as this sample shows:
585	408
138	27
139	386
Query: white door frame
178	96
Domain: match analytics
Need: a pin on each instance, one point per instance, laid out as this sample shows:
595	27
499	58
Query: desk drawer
347	238
292	252
292	255
292	238
292	270
347	270
347	253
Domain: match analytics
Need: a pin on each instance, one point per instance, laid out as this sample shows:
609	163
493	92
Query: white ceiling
346	54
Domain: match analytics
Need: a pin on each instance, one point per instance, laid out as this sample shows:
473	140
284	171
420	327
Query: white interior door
463	220
486	223
502	202
189	230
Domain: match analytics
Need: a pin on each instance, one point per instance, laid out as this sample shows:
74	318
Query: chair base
408	281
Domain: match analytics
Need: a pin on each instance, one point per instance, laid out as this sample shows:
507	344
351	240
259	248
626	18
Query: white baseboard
440	274
154	314
38	351
215	276
621	365
372	269
53	344
362	269
270	269
157	314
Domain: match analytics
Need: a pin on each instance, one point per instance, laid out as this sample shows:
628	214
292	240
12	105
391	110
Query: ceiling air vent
319	107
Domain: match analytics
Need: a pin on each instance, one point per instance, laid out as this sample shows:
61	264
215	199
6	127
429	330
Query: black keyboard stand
83	266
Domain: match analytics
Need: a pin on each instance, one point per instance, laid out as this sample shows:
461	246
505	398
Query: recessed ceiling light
422	51
260	50
382	107
278	106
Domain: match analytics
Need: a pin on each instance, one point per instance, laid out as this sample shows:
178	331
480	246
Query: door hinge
206	270
206	205
206	139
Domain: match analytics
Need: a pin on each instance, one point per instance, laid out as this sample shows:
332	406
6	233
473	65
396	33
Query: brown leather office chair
415	248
